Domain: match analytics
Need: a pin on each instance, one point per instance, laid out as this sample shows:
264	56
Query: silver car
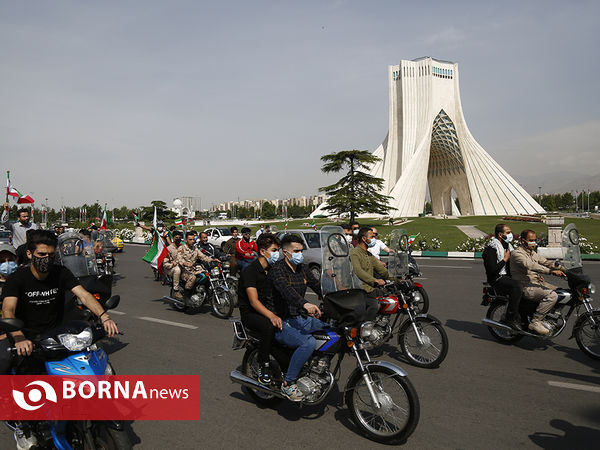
5	236
312	248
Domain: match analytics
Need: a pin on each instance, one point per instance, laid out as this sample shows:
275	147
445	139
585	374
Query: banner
114	397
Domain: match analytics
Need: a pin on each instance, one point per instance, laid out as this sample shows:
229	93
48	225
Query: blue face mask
371	243
8	267
297	258
273	258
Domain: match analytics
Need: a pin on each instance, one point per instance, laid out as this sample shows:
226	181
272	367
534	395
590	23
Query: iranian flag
13	192
104	220
180	222
412	238
157	252
314	225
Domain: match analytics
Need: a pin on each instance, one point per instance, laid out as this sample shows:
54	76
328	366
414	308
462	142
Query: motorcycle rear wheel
434	347
250	369
587	334
496	312
395	421
222	303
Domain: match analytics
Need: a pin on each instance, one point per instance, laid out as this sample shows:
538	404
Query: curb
591	256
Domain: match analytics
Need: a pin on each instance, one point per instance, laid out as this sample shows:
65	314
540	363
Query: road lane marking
578	387
120	313
447	267
168	322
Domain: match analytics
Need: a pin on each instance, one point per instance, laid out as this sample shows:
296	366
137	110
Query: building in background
430	147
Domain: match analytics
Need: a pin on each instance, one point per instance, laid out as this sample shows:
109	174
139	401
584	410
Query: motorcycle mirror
112	302
10	325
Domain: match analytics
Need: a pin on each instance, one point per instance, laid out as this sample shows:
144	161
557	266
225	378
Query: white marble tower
429	143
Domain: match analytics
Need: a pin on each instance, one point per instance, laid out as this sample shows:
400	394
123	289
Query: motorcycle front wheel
222	303
496	312
587	333
396	418
427	346
250	369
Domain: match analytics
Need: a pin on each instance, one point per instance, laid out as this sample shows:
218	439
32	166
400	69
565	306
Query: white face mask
509	238
355	231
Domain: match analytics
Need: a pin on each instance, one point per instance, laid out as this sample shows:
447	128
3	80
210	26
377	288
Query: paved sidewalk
471	231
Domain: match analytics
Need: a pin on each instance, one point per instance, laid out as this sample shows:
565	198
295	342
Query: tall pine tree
356	192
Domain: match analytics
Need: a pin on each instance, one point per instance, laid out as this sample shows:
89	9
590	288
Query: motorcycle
104	250
586	330
210	284
422	337
69	349
382	401
80	259
410	287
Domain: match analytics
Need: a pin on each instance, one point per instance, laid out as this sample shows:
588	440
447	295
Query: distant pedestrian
19	228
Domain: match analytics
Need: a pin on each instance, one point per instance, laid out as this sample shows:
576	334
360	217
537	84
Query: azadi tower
429	144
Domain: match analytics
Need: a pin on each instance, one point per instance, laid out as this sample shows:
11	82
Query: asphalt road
535	394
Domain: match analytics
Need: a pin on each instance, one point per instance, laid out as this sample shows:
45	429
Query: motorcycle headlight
226	265
592	288
109	254
77	342
215	271
366	329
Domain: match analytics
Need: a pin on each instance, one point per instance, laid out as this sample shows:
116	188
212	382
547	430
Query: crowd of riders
519	273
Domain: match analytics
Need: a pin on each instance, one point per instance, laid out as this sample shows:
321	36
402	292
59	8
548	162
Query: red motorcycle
421	336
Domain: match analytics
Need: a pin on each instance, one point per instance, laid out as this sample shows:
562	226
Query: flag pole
7	184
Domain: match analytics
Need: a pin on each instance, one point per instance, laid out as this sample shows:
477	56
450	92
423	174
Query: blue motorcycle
69	349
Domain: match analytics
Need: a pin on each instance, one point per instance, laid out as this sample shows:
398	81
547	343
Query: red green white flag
157	253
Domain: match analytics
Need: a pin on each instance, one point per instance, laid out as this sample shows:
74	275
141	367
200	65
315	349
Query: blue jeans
295	333
243	263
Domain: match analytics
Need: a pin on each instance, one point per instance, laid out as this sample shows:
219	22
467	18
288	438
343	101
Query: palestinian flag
135	217
157	253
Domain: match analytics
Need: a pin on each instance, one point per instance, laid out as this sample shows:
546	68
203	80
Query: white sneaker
24	442
538	327
292	392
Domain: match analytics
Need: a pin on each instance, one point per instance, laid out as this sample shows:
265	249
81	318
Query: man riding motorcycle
257	310
171	264
207	248
229	249
496	260
289	279
528	267
35	294
369	270
187	257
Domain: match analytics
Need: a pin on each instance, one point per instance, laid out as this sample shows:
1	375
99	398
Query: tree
268	210
357	191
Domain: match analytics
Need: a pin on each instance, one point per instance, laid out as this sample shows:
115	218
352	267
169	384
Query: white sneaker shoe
538	327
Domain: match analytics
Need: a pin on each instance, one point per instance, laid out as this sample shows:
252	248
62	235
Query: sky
131	101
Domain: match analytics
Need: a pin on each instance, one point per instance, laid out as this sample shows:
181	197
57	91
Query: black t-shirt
254	276
40	304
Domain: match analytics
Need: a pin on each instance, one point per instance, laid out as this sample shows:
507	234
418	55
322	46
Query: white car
218	236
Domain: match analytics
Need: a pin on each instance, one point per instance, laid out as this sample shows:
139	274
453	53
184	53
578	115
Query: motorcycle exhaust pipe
238	377
493	323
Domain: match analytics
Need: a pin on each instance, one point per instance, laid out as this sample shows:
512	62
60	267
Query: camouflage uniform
170	264
185	255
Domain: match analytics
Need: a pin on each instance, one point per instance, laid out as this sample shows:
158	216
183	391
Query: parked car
218	236
312	248
5	236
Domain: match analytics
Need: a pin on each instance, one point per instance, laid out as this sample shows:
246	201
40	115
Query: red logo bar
116	397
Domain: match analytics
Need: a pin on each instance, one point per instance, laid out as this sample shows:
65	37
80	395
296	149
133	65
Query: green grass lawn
446	230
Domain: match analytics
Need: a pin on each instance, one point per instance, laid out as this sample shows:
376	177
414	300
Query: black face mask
42	264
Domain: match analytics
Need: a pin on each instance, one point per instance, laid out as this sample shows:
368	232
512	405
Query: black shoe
264	374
